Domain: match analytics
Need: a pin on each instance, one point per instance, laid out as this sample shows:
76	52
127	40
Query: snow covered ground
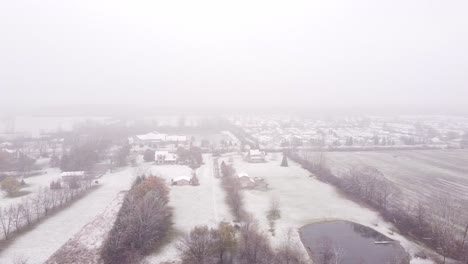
193	205
304	200
34	183
40	243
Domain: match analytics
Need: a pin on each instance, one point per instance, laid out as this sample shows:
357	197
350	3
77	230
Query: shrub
11	186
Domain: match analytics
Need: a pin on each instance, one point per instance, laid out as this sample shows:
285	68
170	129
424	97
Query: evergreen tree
149	155
284	162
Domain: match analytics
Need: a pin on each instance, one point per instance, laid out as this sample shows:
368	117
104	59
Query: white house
181	180
255	155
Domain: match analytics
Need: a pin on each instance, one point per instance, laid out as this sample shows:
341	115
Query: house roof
73	173
181	178
152	136
255	152
242	174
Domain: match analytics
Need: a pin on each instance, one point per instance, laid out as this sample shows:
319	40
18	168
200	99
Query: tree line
142	222
20	216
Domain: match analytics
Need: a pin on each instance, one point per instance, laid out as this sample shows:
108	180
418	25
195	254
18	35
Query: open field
192	205
420	174
304	200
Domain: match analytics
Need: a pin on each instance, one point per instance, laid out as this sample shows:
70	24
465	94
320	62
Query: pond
351	243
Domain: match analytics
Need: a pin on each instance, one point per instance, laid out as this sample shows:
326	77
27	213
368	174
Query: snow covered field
39	244
193	205
421	174
304	200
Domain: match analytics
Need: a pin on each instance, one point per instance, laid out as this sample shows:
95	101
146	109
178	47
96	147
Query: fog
233	132
234	54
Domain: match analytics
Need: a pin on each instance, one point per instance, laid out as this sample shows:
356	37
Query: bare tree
45	198
16	215
445	229
200	246
6	220
26	211
328	252
254	246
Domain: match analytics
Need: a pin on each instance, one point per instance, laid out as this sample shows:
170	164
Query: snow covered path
40	243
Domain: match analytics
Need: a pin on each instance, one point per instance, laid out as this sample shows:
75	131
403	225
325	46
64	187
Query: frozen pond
355	243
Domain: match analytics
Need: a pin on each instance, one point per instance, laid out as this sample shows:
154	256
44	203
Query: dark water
354	241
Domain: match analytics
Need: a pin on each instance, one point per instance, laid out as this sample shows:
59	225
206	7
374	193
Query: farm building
255	155
181	180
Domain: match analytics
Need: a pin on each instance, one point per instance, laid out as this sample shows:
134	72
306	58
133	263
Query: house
152	139
68	176
181	180
255	155
164	157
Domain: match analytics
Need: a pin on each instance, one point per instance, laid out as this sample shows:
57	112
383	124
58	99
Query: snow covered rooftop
152	136
255	152
181	178
242	174
73	173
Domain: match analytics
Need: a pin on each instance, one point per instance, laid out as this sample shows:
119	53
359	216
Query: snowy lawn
193	205
33	184
304	200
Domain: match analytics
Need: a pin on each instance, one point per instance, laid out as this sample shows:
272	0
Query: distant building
68	176
165	157
255	155
181	180
155	139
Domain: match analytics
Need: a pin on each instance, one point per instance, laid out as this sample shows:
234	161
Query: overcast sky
234	53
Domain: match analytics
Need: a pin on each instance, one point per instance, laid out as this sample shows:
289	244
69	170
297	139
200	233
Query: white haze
234	53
